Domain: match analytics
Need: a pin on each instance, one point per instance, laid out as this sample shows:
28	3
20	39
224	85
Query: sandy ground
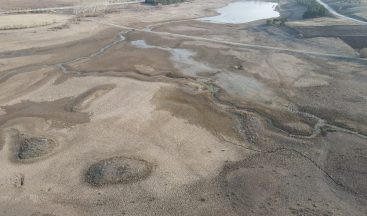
97	118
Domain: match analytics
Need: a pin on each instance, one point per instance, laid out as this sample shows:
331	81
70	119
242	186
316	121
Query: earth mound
117	170
33	147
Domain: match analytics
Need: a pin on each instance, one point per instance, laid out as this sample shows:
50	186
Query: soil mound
33	147
117	170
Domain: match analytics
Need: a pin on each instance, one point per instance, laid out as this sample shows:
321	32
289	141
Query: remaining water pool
243	12
183	59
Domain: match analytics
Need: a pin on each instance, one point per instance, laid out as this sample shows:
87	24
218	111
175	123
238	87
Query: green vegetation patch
314	9
163	2
276	21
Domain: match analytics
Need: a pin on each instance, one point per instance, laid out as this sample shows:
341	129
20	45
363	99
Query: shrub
314	9
276	21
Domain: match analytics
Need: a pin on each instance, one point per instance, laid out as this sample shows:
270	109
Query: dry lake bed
206	107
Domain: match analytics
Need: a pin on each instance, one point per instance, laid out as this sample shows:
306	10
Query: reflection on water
243	12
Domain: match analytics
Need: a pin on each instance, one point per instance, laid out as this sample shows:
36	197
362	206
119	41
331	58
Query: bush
314	9
276	21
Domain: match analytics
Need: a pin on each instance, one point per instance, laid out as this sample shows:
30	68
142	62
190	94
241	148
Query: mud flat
149	111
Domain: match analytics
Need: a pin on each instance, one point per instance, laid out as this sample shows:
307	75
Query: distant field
353	8
332	31
354	36
21	21
23	4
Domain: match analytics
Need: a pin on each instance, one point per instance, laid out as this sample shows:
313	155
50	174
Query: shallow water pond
243	12
183	59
